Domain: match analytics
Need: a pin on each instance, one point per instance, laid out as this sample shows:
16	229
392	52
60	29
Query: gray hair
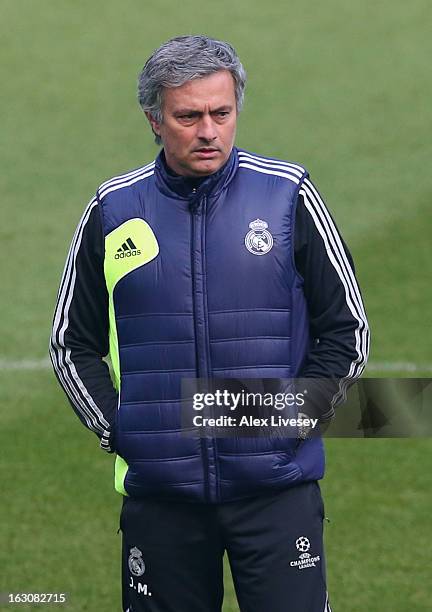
182	59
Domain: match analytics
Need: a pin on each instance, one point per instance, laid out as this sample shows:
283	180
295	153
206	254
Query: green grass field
342	88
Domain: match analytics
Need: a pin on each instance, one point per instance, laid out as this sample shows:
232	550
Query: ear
154	124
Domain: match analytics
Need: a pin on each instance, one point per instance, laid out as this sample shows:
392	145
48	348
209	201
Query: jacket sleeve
79	337
338	324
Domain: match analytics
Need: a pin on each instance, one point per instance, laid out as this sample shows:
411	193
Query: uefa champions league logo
258	240
305	560
302	544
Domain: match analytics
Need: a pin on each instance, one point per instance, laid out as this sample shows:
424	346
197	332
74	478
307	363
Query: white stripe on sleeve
339	260
59	352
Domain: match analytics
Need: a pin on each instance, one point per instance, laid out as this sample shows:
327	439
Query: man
209	262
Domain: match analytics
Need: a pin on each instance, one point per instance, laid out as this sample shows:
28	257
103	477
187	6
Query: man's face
199	124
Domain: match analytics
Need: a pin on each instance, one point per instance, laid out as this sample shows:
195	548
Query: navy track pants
172	553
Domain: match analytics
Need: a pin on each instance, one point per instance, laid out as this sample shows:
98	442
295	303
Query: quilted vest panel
190	296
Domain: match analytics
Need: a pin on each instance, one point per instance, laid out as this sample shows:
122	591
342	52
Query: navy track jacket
242	274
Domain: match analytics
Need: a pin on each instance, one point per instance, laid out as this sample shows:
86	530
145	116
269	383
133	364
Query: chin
204	171
207	168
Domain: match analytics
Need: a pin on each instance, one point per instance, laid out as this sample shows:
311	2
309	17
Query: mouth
206	152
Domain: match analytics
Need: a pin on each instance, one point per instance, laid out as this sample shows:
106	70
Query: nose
206	129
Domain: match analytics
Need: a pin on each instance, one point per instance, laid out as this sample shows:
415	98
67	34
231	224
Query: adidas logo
127	249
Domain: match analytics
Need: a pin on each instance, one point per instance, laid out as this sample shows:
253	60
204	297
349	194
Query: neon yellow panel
120	256
128	247
121	467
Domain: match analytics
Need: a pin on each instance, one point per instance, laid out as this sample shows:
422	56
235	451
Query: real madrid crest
258	240
135	562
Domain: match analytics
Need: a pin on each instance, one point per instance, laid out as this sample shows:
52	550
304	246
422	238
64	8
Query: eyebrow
193	111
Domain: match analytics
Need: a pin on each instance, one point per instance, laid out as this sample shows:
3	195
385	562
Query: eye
221	115
187	117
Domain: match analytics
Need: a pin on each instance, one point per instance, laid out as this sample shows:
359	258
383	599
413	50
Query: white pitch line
398	366
8	365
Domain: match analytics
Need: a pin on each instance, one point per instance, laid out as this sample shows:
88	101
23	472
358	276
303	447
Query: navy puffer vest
203	284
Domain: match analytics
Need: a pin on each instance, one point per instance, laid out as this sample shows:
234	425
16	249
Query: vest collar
187	188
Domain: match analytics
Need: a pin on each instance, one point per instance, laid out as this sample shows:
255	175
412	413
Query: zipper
198	214
201	335
211	440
